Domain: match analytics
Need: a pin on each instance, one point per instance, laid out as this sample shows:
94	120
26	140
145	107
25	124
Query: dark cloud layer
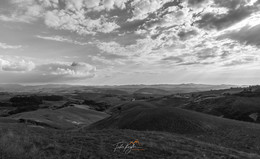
196	2
214	21
184	35
247	35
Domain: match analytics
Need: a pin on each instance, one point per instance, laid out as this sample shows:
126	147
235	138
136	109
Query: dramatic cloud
169	36
77	22
94	4
142	8
237	11
48	72
26	11
67	14
247	35
196	3
74	70
184	35
16	64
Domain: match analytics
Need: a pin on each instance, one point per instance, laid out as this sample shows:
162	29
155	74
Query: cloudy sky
130	41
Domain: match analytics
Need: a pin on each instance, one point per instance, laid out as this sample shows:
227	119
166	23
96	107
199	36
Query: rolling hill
167	119
243	136
149	91
64	118
232	107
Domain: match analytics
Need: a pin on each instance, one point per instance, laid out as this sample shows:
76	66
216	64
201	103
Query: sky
114	42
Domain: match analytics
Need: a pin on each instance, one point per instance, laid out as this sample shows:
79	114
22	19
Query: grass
243	136
232	107
18	141
64	118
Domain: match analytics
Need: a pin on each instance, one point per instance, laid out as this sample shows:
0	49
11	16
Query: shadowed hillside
145	117
215	130
233	107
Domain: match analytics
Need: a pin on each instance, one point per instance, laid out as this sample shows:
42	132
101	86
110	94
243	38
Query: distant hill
118	89
113	92
233	107
150	91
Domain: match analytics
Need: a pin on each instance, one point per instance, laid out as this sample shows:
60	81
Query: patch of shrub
25	100
99	106
52	98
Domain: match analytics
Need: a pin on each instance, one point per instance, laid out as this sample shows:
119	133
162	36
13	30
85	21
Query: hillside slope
232	107
229	133
64	118
19	141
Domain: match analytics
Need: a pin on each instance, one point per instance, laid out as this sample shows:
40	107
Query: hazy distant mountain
148	91
120	89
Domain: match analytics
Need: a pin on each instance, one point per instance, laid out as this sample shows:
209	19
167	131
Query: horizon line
69	84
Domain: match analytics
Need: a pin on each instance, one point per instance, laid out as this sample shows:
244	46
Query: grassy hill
243	136
64	118
21	142
232	107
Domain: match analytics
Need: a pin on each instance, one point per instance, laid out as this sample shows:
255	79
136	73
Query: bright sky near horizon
130	41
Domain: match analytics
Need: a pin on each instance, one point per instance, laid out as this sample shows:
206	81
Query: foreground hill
230	133
19	141
149	117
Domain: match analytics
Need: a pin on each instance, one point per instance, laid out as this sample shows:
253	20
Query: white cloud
241	61
26	11
72	17
91	3
67	70
6	46
94	4
75	70
15	69
16	64
142	8
62	39
77	22
110	4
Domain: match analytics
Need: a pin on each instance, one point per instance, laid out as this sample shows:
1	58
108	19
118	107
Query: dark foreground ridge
19	141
